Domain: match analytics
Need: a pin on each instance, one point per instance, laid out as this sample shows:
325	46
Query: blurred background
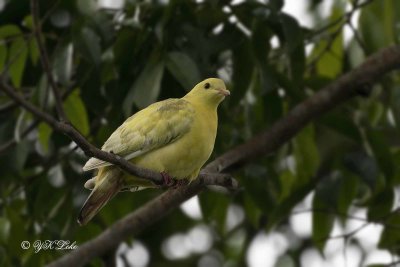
329	197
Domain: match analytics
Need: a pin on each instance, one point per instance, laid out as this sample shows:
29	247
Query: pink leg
168	181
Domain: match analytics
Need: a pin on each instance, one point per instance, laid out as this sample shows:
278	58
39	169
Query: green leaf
76	112
383	156
341	124
183	68
44	133
306	153
294	42
214	208
146	88
329	53
62	66
253	213
288	181
322	222
88	44
390	237
17	54
4	229
243	66
28	22
19	155
376	24
33	51
364	166
330	64
255	182
395	105
324	207
9	31
261	47
274	104
18	231
348	189
3	55
381	205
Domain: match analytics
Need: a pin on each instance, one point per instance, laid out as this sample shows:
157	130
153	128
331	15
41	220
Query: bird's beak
223	92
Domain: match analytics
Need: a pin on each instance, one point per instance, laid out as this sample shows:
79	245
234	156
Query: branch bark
332	95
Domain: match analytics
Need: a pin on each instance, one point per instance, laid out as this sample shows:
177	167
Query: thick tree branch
44	59
266	142
342	89
139	220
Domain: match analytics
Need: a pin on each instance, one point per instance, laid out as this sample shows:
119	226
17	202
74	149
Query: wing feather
158	125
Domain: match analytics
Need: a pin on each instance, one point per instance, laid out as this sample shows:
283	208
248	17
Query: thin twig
348	216
10	143
7	107
44	59
345	17
345	235
13	37
358	37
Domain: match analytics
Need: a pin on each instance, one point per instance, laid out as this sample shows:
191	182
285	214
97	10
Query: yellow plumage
174	136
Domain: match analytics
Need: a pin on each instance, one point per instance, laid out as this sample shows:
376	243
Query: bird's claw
167	180
171	182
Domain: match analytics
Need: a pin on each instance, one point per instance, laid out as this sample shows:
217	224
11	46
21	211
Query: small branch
44	59
348	216
358	37
71	132
7	107
345	235
345	17
10	143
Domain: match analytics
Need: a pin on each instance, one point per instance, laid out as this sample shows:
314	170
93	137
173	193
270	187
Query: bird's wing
153	127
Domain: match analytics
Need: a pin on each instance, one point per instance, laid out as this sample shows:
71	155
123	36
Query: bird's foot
167	180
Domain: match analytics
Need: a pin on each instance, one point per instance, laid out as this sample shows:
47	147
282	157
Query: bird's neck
207	109
210	106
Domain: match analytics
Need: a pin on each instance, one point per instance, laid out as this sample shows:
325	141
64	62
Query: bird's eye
207	85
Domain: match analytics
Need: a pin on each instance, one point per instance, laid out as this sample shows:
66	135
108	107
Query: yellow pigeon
174	137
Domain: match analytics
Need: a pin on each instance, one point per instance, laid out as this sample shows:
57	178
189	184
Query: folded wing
153	127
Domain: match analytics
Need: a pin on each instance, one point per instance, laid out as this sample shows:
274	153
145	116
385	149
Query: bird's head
211	91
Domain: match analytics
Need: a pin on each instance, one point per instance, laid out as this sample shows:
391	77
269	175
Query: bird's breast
186	155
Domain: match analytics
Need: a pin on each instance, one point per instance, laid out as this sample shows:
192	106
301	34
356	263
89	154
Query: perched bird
174	137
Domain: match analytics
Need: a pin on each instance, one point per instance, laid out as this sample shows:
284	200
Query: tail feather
99	197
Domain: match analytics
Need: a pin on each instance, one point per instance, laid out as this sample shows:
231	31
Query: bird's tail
108	184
